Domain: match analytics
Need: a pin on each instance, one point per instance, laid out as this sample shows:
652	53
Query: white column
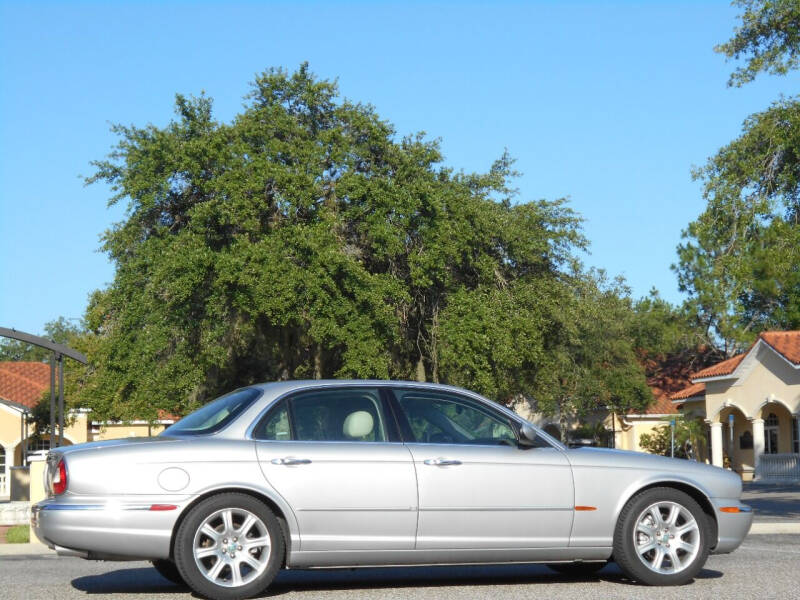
716	444
758	443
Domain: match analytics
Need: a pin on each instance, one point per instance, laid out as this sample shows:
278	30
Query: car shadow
127	581
440	576
147	580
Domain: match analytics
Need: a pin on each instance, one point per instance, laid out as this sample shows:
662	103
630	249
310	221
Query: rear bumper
111	531
732	527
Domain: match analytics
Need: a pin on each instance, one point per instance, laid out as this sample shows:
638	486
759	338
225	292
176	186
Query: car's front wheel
229	547
662	537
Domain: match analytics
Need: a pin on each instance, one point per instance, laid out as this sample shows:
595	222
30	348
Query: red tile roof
726	367
785	343
664	377
694	390
24	382
662	404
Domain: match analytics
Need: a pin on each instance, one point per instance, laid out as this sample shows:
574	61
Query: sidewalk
776	507
24	550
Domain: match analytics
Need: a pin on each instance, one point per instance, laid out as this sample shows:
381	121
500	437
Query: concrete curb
767	528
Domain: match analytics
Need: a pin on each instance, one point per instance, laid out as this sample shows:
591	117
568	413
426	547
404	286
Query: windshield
214	415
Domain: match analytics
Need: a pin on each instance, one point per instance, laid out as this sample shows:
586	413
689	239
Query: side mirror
527	435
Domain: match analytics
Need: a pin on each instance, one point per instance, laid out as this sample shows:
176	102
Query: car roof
278	388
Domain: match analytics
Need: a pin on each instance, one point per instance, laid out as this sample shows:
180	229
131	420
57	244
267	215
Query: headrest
358	424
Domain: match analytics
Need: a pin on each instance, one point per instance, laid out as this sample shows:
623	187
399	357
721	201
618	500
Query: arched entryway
737	441
777	428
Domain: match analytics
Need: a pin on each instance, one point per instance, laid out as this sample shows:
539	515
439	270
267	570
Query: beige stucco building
22	385
618	431
751	406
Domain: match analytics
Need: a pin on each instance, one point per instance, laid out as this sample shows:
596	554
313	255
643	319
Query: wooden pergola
57	354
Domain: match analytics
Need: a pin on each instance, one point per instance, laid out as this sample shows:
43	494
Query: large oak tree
305	239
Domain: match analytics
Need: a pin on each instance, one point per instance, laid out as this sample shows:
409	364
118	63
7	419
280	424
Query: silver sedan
310	474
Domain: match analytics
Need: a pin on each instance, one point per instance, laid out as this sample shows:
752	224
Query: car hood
720	482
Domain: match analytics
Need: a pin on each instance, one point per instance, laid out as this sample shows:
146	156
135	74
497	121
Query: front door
771	426
477	487
338	461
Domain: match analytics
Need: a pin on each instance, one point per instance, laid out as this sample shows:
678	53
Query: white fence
778	467
15	513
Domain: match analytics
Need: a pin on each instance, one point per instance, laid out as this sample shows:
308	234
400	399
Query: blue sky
610	104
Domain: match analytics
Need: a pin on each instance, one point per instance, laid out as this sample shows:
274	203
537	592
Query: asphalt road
764	567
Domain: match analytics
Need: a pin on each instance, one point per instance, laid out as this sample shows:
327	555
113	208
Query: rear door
477	487
337	459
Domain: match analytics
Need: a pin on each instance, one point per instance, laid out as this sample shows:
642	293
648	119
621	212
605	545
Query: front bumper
732	526
104	530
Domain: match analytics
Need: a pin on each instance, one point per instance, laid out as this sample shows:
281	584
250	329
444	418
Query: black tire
185	539
168	570
578	569
627	554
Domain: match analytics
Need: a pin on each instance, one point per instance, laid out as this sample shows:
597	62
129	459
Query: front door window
436	418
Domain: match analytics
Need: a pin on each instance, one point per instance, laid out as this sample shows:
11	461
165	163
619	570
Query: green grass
19	534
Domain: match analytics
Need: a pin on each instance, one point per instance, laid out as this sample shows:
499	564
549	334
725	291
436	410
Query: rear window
214	415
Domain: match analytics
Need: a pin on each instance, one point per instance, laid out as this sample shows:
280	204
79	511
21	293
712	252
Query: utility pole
672	438
52	439
60	400
59	351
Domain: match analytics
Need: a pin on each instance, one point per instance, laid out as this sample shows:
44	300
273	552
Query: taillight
60	479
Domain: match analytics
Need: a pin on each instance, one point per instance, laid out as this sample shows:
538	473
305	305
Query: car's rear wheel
229	547
578	569
168	570
662	537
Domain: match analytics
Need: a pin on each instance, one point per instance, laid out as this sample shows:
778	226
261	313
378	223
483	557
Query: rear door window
327	415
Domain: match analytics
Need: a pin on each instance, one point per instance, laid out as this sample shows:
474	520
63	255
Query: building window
771	434
37	445
795	440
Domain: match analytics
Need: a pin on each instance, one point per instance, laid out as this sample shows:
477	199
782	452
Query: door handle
441	462
288	461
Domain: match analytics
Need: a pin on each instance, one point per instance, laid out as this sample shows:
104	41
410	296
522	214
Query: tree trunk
421	369
317	361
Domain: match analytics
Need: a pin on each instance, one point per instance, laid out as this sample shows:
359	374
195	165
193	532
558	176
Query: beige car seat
358	425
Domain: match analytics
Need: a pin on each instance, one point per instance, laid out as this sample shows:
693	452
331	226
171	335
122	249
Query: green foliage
768	39
739	263
303	239
596	432
19	534
61	331
594	361
689	438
